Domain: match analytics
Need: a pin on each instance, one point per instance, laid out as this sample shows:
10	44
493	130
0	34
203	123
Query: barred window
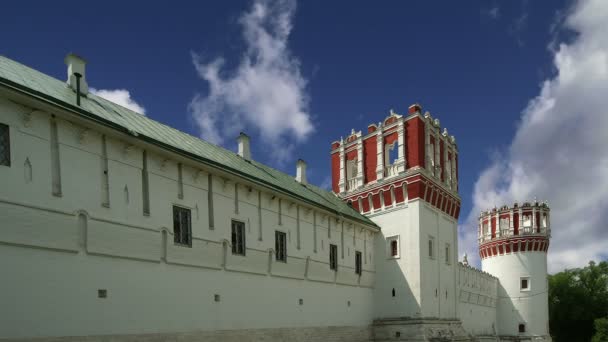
333	257
358	262
182	230
238	237
5	146
280	246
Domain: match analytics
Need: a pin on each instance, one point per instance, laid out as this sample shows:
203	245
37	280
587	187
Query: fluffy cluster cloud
560	150
121	97
265	94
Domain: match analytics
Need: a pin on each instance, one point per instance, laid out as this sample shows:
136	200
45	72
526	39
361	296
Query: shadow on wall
393	295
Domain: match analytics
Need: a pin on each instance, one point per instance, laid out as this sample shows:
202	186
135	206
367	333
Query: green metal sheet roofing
32	82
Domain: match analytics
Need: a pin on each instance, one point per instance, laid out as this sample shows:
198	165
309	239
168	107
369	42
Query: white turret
513	244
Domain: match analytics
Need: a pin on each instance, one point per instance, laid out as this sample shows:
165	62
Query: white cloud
560	150
266	93
120	97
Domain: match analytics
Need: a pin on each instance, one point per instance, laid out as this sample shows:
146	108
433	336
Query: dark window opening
238	238
333	257
524	284
393	292
280	245
358	263
5	146
522	328
182	230
394	248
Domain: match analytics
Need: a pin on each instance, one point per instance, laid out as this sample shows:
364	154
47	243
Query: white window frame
389	241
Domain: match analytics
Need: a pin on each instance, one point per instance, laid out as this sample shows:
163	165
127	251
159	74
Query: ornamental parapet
519	228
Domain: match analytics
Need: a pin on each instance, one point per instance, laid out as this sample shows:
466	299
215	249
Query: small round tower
513	245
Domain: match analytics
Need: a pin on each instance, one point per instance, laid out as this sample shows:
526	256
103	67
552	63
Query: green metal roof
34	83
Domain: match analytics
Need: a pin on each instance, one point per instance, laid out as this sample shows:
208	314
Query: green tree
577	298
601	330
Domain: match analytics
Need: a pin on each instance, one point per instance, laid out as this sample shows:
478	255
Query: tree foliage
601	330
577	298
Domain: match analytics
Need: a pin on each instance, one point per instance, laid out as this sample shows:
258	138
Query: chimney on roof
301	171
76	73
244	150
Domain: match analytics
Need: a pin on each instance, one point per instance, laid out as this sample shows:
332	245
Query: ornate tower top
517	229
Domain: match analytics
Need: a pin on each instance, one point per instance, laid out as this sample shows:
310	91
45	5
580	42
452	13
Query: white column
400	162
533	219
446	169
511	224
359	176
342	183
380	153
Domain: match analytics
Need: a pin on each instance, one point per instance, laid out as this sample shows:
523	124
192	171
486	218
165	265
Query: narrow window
210	200
5	146
145	184
280	246
238	238
431	247
182	230
447	254
525	283
522	328
393	246
180	182
333	257
358	262
105	177
298	227
55	165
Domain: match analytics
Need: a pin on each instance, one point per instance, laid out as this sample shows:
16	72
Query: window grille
238	238
333	257
280	246
182	230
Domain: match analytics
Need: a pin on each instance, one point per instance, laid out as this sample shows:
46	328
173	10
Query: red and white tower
403	174
513	244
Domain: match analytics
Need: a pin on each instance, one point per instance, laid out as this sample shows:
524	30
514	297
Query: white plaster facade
87	245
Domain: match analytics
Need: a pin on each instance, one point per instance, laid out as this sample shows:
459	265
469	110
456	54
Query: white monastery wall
477	300
57	251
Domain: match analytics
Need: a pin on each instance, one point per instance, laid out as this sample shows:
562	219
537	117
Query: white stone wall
424	286
517	306
477	300
438	285
57	251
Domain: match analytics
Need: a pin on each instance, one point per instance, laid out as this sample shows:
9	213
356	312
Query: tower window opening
522	328
431	247
391	154
527	222
393	246
504	225
525	284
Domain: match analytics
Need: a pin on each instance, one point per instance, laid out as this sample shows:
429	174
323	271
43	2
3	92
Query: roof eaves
99	120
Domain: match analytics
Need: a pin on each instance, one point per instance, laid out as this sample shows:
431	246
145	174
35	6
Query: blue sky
475	65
